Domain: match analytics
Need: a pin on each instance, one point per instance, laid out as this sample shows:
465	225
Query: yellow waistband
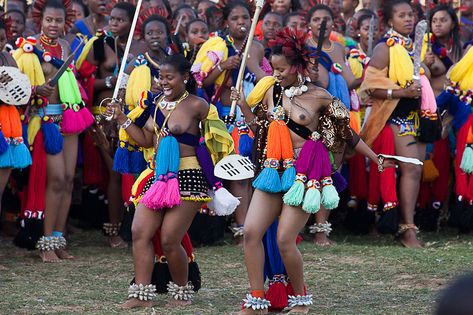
189	162
97	110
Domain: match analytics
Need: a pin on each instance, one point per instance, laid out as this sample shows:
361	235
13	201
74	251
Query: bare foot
176	303
409	239
134	303
299	310
249	311
238	241
322	240
117	242
61	253
49	256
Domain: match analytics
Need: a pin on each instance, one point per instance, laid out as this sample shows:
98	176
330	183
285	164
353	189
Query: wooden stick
241	73
127	50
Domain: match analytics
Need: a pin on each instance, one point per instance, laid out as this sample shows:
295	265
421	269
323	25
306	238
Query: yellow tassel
429	171
85	52
424	47
29	64
259	91
401	68
356	67
34	124
217	139
203	64
461	72
139	81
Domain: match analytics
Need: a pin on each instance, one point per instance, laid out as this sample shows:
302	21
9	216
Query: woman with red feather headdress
55	118
298	127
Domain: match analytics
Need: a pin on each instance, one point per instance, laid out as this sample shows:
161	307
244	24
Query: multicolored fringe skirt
13	151
193	185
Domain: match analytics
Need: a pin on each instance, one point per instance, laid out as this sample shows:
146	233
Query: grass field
360	275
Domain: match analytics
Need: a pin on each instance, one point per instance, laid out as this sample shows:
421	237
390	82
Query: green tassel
467	160
295	195
330	196
312	197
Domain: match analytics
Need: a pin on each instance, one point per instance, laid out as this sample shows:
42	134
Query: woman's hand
413	91
45	90
114	110
385	163
232	62
429	59
235	95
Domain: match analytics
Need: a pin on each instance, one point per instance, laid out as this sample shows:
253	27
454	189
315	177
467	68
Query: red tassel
87	79
290	289
277	296
95	172
441	159
358	182
423	198
127	183
33	201
461	179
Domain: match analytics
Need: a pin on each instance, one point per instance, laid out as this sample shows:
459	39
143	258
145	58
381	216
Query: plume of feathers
38	6
294	47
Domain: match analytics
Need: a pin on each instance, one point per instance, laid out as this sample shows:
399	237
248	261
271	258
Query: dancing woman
171	195
305	123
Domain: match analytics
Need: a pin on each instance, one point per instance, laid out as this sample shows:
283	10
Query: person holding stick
177	183
103	54
217	76
298	124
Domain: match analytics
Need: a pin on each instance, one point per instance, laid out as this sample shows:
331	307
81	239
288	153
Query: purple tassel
339	182
206	163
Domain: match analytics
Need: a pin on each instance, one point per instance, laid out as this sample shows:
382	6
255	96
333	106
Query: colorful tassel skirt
13	151
193	185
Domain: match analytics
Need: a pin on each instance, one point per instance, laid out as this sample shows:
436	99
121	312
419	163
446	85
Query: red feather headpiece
146	14
294	47
38	6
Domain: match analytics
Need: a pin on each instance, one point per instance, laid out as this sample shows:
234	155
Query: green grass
360	275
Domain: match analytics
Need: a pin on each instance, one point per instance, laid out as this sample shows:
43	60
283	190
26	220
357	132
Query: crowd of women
330	93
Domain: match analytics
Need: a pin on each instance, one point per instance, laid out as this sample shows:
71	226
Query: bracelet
219	67
380	163
389	94
108	82
126	124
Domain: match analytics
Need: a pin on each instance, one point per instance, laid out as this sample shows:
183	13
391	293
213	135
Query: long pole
127	50
259	6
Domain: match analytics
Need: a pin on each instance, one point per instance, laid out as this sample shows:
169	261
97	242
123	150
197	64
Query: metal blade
65	65
421	28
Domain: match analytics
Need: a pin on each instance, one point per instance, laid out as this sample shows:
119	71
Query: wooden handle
244	58
127	49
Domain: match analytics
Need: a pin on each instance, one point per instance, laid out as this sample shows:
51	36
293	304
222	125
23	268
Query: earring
185	81
358	35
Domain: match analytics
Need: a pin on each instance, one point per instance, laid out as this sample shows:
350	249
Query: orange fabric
469	138
279	141
10	121
381	109
257	293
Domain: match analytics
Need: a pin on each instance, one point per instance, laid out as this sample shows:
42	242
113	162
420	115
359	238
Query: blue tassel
53	140
174	155
245	145
162	157
3	143
121	160
6	160
338	87
137	162
288	178
268	180
24	129
21	156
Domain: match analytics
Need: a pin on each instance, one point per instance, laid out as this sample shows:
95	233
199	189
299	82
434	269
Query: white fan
235	167
15	87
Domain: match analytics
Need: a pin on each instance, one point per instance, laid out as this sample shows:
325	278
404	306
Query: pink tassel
83	93
72	122
154	197
428	102
86	117
172	197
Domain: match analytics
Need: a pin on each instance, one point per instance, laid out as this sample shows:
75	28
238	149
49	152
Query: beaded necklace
400	39
51	46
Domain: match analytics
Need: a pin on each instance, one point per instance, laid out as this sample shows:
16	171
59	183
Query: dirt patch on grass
419	282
